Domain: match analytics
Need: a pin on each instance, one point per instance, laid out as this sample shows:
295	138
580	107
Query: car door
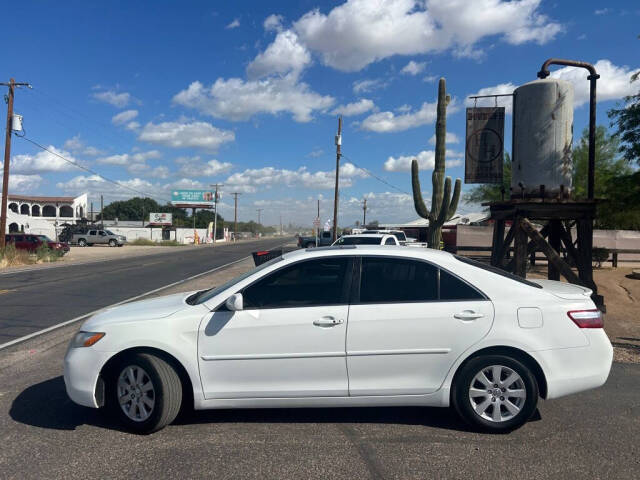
92	237
409	321
102	237
289	339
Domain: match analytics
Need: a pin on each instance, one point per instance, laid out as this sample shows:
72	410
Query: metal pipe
593	77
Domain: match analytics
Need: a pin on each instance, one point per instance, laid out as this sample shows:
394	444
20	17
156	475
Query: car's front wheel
112	243
144	392
496	393
82	242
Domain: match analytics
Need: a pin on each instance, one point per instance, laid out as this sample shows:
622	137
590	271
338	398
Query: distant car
351	326
31	242
399	234
367	239
98	237
324	240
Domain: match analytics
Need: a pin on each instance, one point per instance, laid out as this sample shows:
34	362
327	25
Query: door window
102	234
389	241
311	283
92	232
452	288
388	280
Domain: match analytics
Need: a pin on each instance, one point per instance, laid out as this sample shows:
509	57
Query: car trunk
564	290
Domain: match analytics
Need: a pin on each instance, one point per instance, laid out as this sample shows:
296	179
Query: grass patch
10	256
145	242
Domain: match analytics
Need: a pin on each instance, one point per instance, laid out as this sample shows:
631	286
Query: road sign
196	198
316	223
160	218
484	150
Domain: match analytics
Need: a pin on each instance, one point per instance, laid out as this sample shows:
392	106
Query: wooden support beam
554	242
565	236
550	253
497	243
520	248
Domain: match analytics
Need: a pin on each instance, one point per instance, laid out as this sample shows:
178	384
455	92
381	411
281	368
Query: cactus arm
444	208
453	206
418	202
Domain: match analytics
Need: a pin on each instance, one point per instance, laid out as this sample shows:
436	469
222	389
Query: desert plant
599	255
443	204
11	256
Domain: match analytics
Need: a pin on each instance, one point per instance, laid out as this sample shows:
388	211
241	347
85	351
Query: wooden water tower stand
560	216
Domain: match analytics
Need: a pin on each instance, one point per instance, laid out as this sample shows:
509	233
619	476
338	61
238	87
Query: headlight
86	339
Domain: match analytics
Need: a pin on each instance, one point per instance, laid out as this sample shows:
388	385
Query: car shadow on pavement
46	405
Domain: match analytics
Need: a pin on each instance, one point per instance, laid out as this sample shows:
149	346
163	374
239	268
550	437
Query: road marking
85	315
6	291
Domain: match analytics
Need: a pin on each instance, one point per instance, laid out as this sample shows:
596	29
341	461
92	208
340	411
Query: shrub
143	242
11	256
150	243
599	255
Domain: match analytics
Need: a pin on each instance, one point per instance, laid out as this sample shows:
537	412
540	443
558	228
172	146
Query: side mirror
234	302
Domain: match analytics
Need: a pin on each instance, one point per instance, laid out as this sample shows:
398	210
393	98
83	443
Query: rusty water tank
542	137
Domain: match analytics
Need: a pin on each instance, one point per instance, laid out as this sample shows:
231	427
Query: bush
150	243
11	256
46	254
599	255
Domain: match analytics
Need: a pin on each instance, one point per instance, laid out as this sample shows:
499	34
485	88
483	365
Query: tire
476	397
82	242
148	410
112	243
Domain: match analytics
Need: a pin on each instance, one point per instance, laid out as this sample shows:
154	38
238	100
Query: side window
305	284
389	241
92	232
452	288
102	234
386	280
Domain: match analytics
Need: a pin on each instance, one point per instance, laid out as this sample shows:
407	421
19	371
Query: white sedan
345	326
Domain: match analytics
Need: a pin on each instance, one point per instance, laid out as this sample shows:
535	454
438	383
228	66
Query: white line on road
85	315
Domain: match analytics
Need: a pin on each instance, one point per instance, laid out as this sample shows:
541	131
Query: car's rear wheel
495	393
112	243
82	242
144	392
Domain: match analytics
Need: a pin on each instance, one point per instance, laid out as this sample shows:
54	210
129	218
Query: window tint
452	288
359	241
397	280
495	270
304	284
18	238
92	232
389	241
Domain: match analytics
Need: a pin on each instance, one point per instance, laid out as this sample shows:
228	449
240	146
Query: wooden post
520	248
497	243
554	242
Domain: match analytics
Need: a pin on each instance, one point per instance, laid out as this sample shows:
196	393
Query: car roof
382	250
365	235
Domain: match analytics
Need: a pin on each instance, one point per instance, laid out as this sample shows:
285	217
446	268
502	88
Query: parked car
425	328
367	239
98	237
324	240
399	234
31	242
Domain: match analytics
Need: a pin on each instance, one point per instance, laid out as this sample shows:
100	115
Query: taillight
587	318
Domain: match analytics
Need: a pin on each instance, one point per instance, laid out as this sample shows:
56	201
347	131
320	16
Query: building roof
460	218
30	198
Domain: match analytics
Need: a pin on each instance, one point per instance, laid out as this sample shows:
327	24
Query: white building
44	215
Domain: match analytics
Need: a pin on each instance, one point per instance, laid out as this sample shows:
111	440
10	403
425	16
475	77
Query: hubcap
497	393
135	393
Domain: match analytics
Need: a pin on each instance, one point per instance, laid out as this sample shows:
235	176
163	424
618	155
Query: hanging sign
484	150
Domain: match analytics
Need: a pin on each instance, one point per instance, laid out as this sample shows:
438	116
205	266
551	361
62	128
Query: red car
31	242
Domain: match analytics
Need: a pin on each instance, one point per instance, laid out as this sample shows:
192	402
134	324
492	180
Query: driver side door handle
327	322
468	315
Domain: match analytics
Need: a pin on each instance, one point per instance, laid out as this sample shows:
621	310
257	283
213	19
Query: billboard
160	218
484	150
196	198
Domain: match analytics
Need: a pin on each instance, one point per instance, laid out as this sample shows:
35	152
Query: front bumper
82	368
572	370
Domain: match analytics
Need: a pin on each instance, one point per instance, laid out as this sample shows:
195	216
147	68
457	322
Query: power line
93	172
371	174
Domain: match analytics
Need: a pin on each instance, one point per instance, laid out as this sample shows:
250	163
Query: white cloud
234	24
195	167
273	22
286	54
132	126
23	183
124	117
119	100
73	144
430	78
426	161
251	180
77	146
42	162
449	138
318	152
602	11
368	85
359	32
159	172
356	108
384	122
501	89
97	185
186	135
413	68
128	158
236	99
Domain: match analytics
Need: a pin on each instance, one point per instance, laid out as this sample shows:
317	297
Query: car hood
564	290
142	310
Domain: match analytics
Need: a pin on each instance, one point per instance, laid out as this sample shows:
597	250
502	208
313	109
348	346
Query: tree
627	121
492	192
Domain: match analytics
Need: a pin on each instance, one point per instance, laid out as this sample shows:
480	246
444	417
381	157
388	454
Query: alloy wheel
136	394
497	393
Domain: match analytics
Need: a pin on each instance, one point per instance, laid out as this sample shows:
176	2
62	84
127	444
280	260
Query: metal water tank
542	137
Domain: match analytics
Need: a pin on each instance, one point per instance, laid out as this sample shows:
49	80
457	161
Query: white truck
98	237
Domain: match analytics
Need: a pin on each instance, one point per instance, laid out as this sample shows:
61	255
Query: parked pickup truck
97	237
324	240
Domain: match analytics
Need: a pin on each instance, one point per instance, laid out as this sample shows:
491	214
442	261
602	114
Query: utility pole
259	210
317	225
215	211
364	214
235	215
335	197
280	224
7	156
101	213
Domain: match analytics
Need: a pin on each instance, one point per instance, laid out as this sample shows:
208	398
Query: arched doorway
35	211
66	211
24	209
49	211
13	207
14	228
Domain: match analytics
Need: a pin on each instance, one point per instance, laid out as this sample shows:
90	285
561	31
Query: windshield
205	295
358	241
109	232
400	236
44	238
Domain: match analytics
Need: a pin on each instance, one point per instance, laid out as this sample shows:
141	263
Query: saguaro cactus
443	204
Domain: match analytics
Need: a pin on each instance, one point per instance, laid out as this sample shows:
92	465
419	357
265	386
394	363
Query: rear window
497	271
359	241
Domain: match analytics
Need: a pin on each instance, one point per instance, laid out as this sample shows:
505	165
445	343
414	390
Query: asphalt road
39	298
43	434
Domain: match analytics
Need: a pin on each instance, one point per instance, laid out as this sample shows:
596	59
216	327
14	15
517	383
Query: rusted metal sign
484	145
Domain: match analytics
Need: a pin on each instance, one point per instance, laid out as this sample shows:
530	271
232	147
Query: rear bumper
572	370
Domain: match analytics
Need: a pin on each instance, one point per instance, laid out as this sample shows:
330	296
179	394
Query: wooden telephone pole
364	213
235	215
215	211
7	157
336	194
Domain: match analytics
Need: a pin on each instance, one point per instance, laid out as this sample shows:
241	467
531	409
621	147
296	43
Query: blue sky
165	95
